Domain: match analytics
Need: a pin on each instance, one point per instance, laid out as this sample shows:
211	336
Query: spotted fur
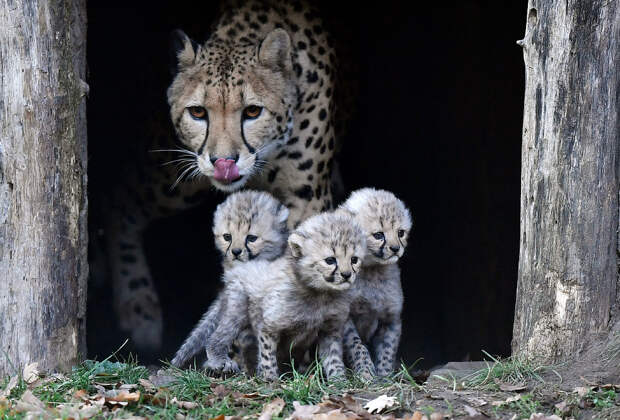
274	55
375	318
295	300
248	225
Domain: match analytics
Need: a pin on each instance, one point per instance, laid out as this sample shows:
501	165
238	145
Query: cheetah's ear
275	50
295	243
182	51
282	213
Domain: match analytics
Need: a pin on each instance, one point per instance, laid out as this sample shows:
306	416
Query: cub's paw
222	366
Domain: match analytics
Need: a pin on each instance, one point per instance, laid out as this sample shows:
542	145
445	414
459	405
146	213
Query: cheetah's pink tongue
226	170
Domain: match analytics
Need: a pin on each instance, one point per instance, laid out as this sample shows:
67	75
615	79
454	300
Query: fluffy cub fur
376	309
295	300
249	225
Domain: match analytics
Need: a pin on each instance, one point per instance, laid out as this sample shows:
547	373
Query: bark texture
568	292
43	201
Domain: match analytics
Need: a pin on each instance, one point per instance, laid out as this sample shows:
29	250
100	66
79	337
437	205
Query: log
568	294
43	200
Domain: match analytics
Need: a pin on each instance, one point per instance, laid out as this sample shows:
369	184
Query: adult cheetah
253	107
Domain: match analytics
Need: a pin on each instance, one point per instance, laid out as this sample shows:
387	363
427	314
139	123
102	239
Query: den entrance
438	118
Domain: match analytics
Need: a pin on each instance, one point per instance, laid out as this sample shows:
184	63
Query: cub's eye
251	238
330	260
252	111
354	260
378	236
401	233
197	112
227	237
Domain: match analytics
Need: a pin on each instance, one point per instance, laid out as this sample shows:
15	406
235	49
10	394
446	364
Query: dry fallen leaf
476	402
563	407
336	414
148	385
271	409
436	416
380	403
30	373
124	396
582	391
220	417
9	387
541	416
471	411
184	404
513	398
303	412
33	407
510	387
417	416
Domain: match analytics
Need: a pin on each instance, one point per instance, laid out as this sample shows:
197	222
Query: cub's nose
236	252
395	249
346	275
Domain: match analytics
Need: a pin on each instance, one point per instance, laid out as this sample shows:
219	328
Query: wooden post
43	201
568	294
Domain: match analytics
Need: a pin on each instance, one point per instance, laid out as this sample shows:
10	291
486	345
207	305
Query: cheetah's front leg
385	344
135	299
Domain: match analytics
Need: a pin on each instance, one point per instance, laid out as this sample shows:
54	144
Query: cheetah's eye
378	236
251	238
252	111
401	233
197	112
354	260
227	237
330	260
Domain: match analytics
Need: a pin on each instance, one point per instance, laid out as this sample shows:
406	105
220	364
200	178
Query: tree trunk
568	293
43	201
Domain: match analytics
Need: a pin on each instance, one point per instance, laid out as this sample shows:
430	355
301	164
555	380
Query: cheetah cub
248	225
376	309
296	300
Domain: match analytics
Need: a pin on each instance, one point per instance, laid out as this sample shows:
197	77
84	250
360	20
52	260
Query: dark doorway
438	122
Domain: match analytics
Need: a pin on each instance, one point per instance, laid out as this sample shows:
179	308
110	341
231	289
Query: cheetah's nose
236	252
395	249
346	275
214	159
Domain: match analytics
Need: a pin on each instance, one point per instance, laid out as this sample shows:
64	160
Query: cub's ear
275	51
282	213
295	243
182	51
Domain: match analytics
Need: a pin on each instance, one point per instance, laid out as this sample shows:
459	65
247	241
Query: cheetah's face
232	105
329	251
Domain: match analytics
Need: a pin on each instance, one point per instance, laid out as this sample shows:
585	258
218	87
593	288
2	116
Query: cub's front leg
385	345
356	355
232	321
267	354
330	351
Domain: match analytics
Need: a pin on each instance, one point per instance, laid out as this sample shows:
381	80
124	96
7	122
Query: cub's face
249	225
231	104
328	250
386	221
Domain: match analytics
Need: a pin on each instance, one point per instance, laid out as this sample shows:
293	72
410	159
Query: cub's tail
199	335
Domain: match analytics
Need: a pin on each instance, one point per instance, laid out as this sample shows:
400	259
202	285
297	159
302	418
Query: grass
194	393
513	370
524	407
603	399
